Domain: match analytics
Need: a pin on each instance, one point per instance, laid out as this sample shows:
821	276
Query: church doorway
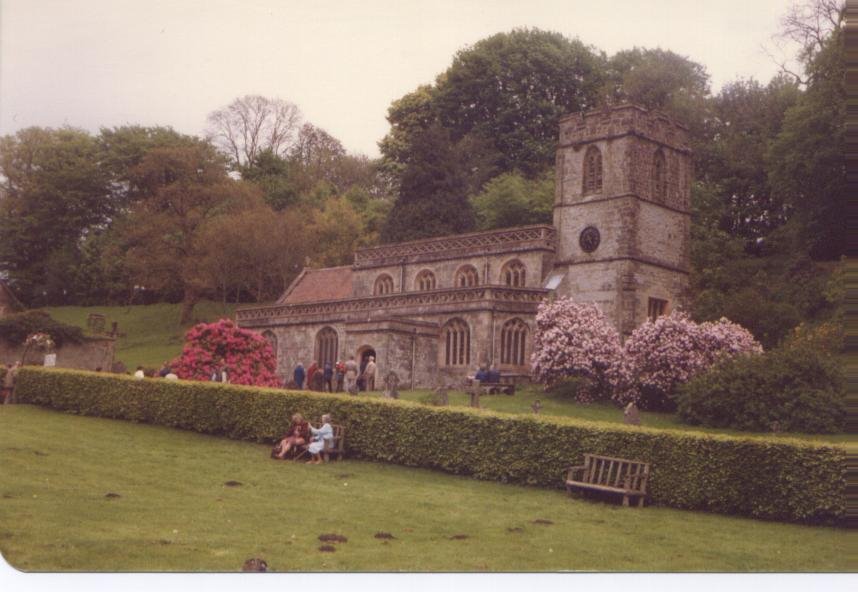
364	354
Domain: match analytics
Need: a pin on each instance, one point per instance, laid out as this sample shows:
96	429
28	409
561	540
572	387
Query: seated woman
320	436
297	435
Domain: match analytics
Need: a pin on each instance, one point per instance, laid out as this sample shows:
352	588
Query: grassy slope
151	333
175	513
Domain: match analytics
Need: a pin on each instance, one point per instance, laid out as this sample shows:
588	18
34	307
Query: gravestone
631	415
537	406
440	397
391	385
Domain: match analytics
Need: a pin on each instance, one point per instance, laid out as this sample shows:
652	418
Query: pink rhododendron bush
247	355
576	340
662	355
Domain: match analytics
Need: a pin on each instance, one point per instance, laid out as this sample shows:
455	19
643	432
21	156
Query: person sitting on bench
482	375
320	437
297	435
493	375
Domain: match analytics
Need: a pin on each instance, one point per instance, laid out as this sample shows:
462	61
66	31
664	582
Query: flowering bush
247	355
41	341
662	355
573	339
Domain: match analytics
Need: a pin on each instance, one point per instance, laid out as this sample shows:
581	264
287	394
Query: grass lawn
173	511
151	332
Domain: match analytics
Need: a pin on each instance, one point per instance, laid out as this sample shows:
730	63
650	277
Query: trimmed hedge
780	479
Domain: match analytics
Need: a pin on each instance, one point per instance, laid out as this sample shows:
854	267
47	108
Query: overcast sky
93	63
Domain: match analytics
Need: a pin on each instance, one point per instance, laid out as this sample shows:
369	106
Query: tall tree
189	188
53	192
251	124
512	200
433	192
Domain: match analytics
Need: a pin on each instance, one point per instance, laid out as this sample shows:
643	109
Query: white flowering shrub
574	339
661	355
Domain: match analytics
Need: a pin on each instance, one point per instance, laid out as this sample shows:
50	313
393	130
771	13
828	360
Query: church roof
329	283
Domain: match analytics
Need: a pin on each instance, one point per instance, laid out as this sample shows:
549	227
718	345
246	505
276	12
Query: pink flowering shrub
247	355
660	356
575	339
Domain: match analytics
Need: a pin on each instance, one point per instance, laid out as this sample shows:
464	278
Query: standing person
219	375
369	374
328	375
165	370
299	375
340	374
311	372
351	376
9	382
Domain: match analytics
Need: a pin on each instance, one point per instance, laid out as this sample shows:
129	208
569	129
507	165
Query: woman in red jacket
298	434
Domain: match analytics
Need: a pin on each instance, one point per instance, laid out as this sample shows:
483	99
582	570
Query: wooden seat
334	447
612	475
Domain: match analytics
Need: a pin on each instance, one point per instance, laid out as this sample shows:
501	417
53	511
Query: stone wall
90	354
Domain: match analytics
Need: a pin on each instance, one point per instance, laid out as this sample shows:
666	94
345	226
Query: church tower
621	210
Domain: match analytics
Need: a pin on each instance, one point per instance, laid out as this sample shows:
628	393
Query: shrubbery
14	329
797	388
246	355
762	477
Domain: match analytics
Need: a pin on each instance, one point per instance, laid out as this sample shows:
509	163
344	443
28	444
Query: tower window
656	307
592	171
659	177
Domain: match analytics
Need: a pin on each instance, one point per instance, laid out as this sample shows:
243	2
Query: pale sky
94	63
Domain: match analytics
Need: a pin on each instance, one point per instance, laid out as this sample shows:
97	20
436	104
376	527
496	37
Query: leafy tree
432	196
188	187
52	193
251	124
279	179
408	116
512	200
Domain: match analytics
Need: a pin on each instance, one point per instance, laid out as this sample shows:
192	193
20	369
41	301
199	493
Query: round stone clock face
589	239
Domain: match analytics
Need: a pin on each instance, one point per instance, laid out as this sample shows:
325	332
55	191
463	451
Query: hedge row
785	480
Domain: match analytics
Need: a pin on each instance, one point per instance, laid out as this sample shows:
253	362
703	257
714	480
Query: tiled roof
330	283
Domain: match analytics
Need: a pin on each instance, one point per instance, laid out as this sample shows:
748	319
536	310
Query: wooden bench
613	475
505	386
335	446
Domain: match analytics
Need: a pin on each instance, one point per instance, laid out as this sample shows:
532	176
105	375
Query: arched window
659	176
513	274
326	346
383	285
513	339
425	280
466	277
271	338
592	171
457	343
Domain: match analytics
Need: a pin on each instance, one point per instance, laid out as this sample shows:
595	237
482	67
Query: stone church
435	309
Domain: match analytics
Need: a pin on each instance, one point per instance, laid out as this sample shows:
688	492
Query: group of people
300	433
9	379
491	374
165	372
336	377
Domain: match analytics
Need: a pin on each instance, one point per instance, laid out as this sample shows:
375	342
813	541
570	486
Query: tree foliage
511	199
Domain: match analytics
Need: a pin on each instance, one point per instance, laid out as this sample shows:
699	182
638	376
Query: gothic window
425	281
513	338
592	171
656	307
513	274
326	346
383	285
659	177
271	338
457	343
466	277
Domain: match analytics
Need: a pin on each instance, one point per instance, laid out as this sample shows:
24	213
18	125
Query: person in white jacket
321	436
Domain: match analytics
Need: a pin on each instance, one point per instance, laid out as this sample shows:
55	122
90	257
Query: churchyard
117	496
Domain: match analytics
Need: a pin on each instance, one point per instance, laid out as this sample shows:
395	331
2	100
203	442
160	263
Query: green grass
151	333
175	513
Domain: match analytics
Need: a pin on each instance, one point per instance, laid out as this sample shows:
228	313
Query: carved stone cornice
417	303
522	238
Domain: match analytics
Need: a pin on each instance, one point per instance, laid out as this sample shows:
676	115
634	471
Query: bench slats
611	474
